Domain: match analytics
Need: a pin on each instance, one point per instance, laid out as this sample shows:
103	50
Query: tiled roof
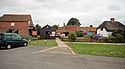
75	28
71	28
15	17
93	29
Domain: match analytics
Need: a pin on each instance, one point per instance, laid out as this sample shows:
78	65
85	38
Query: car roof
8	33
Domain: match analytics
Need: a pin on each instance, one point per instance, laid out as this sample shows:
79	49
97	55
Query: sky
88	12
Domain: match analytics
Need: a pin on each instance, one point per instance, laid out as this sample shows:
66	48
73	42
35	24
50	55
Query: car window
8	37
14	37
1	36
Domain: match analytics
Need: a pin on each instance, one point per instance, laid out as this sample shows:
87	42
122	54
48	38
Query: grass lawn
99	49
43	43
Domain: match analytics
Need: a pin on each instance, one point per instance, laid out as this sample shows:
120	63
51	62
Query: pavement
62	48
46	57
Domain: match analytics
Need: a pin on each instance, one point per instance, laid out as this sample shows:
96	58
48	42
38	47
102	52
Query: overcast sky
89	12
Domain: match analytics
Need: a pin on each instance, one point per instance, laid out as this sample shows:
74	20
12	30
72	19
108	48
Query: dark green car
9	40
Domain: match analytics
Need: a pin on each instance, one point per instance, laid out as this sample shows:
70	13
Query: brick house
66	29
20	22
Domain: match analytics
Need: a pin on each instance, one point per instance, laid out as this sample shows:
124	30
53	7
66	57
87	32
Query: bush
72	36
16	31
118	36
86	38
9	31
79	33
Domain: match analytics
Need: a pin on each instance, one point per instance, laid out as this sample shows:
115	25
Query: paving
29	58
62	48
60	57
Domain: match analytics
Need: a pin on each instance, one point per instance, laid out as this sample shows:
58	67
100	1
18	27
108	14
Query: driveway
26	58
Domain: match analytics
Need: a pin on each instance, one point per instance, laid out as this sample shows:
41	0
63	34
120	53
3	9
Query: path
22	58
62	48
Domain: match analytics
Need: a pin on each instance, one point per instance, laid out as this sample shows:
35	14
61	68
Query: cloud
89	12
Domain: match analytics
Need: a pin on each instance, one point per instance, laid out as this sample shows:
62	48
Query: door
17	41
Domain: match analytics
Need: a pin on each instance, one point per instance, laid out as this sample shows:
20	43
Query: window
16	37
1	36
12	24
8	37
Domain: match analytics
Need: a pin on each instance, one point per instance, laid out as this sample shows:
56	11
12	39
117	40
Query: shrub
86	38
79	33
16	31
9	31
72	36
118	36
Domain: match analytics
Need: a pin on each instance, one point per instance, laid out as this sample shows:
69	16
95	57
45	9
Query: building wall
103	32
21	26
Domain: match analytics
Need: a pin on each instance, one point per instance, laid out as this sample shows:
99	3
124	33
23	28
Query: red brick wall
21	26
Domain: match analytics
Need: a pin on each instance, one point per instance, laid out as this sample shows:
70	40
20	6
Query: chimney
112	19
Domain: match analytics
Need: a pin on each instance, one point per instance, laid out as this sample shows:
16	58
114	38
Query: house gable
107	27
20	22
111	26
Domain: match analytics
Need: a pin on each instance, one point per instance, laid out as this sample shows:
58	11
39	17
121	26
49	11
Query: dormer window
12	24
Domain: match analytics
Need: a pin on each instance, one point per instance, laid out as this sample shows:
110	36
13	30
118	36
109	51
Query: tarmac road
23	58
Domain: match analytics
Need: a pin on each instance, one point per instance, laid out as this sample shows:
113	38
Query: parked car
10	40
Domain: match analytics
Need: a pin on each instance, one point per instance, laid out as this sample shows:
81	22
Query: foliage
72	36
16	31
38	27
55	27
86	38
74	21
79	34
12	31
118	36
99	49
9	31
91	25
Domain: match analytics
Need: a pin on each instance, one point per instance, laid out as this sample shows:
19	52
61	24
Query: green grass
99	49
43	43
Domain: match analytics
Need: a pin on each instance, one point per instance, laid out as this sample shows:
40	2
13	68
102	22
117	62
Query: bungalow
66	29
22	23
107	27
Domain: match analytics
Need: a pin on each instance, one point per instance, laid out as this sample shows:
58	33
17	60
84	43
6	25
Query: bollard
45	42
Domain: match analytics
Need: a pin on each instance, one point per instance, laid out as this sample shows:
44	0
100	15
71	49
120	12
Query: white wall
103	32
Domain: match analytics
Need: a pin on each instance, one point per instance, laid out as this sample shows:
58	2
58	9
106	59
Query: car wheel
25	44
8	46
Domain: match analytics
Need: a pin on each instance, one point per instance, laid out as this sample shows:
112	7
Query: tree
16	31
72	36
55	27
38	27
12	31
79	34
9	31
118	36
91	25
73	21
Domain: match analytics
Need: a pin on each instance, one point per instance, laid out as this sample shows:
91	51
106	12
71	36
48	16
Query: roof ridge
16	14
